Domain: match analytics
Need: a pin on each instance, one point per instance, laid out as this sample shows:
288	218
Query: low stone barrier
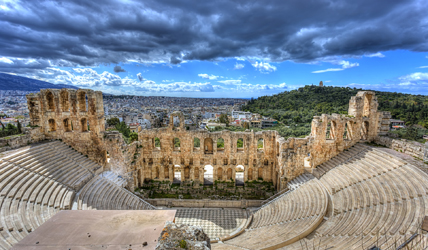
205	203
411	148
28	136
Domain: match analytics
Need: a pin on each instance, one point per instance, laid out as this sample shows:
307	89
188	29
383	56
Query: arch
260	143
240	144
176	121
328	134
196	173
345	132
208	175
260	174
65	106
277	148
196	143
166	172
219	174
250	174
84	124
176	144
208	146
239	175
52	125
177	174
187	173
220	144
157	173
156	143
229	173
81	99
50	99
367	103
67	125
365	130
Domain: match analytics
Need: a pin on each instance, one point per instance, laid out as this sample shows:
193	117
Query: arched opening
345	133
156	143
176	121
365	130
367	104
196	173
220	144
219	174
328	134
157	173
50	99
81	98
333	130
229	174
176	144
52	125
187	173
239	175
166	172
196	143
64	101
260	144
177	174
240	144
67	125
277	149
208	175
250	174
260	174
84	124
208	146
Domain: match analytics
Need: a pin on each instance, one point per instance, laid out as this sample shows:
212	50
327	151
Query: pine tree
19	127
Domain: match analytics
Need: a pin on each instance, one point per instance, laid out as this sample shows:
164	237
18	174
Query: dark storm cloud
118	69
86	33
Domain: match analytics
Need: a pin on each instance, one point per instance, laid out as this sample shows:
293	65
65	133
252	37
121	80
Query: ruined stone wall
411	148
65	114
75	116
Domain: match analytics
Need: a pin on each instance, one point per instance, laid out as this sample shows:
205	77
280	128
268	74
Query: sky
217	48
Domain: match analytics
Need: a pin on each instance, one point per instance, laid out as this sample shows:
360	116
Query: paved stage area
216	222
99	229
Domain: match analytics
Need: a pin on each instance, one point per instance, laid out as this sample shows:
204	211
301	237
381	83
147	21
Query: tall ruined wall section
330	135
160	162
75	116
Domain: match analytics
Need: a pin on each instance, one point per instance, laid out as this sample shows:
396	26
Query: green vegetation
157	142
223	119
260	143
133	137
113	121
240	143
196	142
220	143
295	109
411	133
10	129
176	142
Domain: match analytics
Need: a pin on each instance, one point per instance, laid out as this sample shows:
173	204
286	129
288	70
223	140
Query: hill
12	82
297	107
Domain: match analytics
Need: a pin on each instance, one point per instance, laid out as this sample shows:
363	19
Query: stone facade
160	153
75	116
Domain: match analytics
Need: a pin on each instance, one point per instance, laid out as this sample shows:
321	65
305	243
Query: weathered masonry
77	118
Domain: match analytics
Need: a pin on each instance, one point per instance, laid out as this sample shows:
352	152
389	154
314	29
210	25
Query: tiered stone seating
103	194
299	180
285	220
339	159
35	183
377	200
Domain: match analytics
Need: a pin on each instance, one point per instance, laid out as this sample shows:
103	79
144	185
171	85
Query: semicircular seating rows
38	181
375	199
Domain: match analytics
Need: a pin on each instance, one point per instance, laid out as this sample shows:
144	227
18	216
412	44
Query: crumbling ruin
76	117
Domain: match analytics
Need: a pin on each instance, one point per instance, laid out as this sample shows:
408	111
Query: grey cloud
85	33
118	69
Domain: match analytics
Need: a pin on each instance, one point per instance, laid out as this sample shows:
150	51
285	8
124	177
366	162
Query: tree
223	119
113	121
19	127
133	137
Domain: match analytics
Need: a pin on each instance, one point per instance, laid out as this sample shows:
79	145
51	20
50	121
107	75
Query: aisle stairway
36	182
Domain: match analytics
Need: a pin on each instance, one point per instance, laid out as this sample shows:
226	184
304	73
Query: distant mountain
12	82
